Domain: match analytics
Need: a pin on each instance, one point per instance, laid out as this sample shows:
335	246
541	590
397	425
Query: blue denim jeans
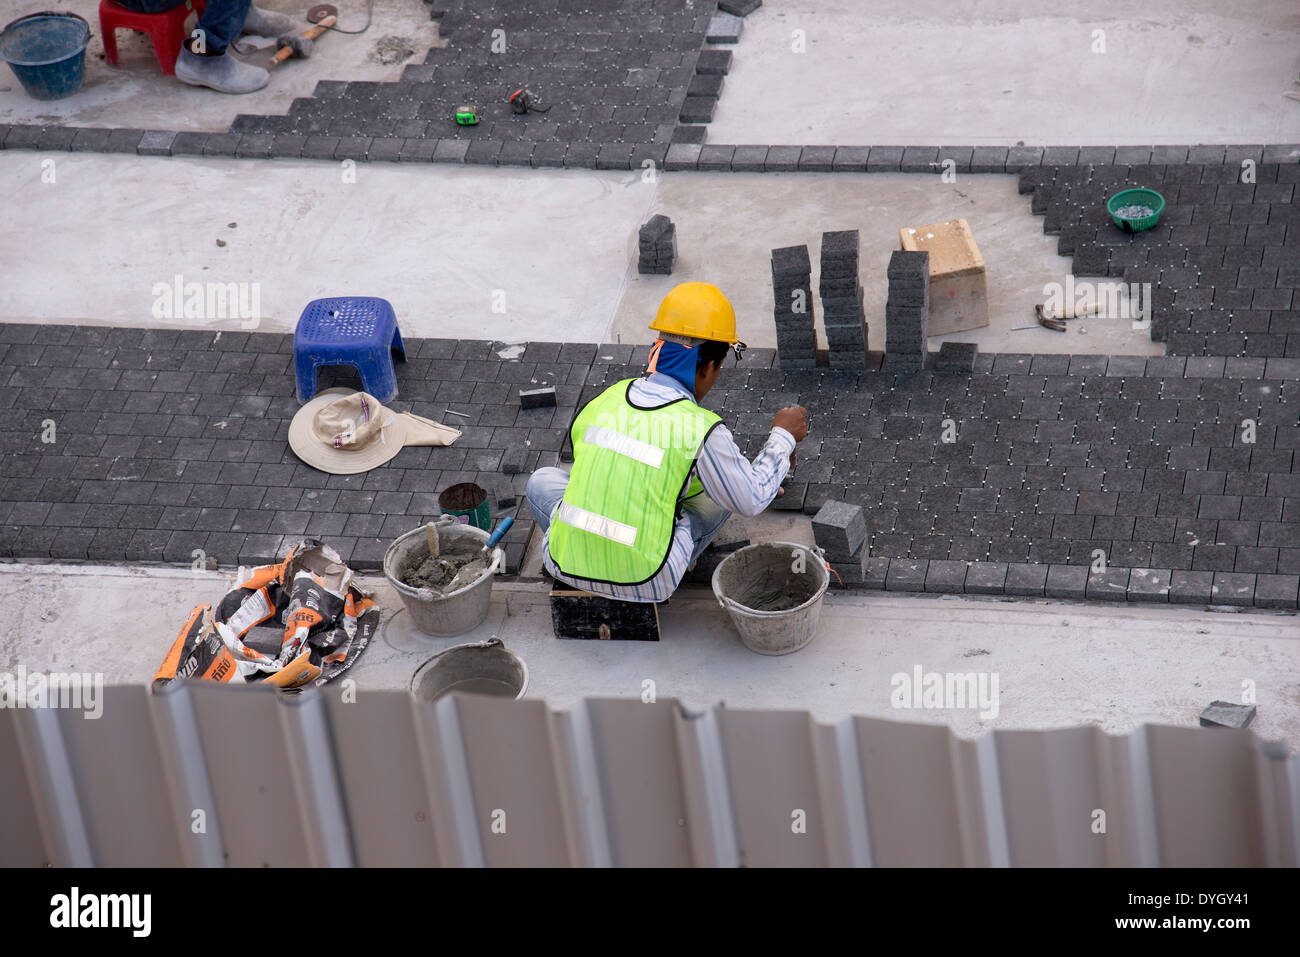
546	487
222	20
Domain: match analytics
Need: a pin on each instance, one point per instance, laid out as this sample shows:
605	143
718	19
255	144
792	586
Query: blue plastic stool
359	331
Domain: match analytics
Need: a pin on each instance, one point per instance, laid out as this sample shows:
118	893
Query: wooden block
582	615
958	285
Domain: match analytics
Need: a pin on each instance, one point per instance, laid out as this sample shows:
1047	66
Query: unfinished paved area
171	437
934	73
1058	664
137	95
333	232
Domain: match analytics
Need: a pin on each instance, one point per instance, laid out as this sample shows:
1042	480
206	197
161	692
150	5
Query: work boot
222	73
264	23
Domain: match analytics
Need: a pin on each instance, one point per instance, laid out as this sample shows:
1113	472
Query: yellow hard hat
698	310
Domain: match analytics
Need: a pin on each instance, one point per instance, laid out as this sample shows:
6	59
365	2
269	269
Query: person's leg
204	59
706	517
221	24
266	23
544	490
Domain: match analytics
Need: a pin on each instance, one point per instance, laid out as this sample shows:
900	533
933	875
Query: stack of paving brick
842	315
840	530
796	338
907	311
657	246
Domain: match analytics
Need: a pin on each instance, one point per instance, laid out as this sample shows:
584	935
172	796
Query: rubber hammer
293	45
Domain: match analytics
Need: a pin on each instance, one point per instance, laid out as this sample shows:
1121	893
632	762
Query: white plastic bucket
748	582
443	615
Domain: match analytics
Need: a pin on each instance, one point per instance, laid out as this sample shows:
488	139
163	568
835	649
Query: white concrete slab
137	95
511	254
508	254
1057	664
937	73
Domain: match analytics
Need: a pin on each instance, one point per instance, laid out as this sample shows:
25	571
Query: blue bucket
47	52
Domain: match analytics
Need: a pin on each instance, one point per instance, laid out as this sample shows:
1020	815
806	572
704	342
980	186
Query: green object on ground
1149	198
468	503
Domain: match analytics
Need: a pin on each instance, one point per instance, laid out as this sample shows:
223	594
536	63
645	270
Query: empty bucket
47	52
773	594
481	667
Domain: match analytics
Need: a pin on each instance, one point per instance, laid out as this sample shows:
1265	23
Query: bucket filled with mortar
773	594
448	595
481	667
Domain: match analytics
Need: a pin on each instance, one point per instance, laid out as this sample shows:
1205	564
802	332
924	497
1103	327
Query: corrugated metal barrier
208	775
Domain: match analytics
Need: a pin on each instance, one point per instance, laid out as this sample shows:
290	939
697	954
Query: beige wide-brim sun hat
344	432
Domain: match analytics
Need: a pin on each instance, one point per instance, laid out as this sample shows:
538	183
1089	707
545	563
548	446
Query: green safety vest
631	469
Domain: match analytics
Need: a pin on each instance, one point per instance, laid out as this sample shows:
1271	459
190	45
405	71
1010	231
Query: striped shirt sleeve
737	484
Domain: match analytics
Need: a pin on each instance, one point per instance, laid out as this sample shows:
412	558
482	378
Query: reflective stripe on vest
632	468
642	452
600	525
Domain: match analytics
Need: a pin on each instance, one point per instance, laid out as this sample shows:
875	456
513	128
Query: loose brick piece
724	28
537	398
515	460
1225	714
657	246
792	499
714	62
739	8
840	529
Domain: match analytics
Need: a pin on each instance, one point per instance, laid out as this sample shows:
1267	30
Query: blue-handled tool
497	535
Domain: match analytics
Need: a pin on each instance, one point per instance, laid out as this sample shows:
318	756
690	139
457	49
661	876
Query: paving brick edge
1077	582
706	157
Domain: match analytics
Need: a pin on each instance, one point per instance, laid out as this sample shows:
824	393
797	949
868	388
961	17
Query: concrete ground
440	242
1057	664
136	94
935	73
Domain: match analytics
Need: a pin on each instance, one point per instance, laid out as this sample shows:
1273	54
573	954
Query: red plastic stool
166	30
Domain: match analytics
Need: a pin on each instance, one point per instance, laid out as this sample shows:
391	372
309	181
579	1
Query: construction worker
655	475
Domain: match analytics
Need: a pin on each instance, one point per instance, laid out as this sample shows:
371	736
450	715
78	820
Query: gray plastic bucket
773	573
458	612
481	667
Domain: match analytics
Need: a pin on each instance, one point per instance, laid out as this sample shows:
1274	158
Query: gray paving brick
1276	591
683	156
885	159
1067	581
156	143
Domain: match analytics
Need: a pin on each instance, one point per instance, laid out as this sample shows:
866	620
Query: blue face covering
677	361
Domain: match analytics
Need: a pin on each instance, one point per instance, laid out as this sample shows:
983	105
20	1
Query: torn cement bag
301	621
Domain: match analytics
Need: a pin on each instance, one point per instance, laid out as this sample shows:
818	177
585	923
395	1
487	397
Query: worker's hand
792	419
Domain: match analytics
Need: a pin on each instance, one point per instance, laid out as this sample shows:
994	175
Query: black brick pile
796	335
841	294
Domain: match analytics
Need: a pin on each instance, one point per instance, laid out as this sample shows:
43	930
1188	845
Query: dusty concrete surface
439	242
1057	664
935	73
136	94
728	223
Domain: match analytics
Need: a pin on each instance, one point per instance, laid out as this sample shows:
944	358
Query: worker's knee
543	490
